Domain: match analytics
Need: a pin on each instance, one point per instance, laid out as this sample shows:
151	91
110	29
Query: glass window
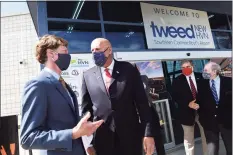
222	40
198	66
79	35
122	11
73	10
125	37
171	67
230	20
218	21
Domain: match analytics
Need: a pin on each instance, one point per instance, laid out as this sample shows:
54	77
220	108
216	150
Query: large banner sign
172	27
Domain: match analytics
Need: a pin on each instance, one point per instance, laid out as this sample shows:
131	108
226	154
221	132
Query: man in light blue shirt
215	102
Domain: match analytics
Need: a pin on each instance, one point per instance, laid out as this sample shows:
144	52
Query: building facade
18	65
125	24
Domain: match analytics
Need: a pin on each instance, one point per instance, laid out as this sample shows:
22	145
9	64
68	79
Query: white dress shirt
194	80
217	85
110	69
57	76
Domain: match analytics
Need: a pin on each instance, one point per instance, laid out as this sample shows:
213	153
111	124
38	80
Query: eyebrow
95	49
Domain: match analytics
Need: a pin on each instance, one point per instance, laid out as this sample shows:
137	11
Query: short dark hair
186	61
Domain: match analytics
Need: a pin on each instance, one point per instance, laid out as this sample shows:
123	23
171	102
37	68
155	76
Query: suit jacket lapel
197	78
186	84
115	72
100	80
75	101
61	89
221	93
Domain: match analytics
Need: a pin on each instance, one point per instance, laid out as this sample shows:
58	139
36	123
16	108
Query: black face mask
99	58
63	61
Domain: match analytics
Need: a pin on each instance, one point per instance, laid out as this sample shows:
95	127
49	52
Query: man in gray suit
50	116
113	91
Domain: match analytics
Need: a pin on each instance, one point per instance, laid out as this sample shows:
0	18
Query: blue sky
12	8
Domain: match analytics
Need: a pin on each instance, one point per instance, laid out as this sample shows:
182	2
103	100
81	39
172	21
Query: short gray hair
215	67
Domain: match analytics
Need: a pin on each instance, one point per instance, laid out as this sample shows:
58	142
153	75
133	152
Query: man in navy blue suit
50	115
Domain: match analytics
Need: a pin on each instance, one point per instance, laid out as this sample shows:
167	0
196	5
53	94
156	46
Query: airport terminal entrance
160	74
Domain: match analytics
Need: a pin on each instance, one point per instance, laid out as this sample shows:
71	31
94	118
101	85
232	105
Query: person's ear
110	50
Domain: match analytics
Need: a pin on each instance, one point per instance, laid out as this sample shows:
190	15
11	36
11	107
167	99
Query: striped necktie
214	92
63	82
193	89
108	79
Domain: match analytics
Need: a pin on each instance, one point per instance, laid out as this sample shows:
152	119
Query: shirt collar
191	75
110	67
217	79
57	76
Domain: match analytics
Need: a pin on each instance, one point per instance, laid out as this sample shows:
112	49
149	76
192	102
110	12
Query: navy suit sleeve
87	104
34	133
142	104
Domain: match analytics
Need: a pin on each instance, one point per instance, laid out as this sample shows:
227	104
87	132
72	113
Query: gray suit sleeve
86	105
34	134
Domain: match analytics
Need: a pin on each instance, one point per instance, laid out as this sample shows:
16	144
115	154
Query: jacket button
215	115
216	106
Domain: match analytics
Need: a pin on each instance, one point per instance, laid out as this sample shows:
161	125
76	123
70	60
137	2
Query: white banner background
74	77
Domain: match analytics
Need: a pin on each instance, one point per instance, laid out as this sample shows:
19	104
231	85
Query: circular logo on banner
75	72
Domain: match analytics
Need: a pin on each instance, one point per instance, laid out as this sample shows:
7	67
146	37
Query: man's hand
85	127
194	105
149	145
91	150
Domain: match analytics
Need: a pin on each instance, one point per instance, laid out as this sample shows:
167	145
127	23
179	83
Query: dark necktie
193	89
108	78
214	92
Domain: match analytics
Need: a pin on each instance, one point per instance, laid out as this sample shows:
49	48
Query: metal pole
166	123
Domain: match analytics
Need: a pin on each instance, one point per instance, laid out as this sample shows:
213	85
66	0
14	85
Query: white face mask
206	75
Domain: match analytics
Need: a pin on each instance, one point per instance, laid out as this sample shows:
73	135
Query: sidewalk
198	149
178	150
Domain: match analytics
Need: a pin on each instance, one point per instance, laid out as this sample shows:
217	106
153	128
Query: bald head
100	44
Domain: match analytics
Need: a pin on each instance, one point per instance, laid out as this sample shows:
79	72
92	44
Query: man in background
185	88
215	101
